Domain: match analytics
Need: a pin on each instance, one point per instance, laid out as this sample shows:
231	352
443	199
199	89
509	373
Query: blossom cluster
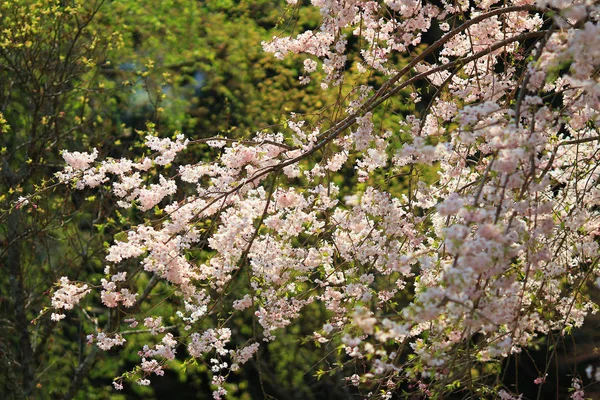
464	268
67	296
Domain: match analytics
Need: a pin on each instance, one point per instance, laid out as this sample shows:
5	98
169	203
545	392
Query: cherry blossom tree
436	247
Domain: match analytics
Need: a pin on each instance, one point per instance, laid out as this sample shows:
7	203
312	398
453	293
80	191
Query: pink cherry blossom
472	220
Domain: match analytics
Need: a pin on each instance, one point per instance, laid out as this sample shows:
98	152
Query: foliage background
93	74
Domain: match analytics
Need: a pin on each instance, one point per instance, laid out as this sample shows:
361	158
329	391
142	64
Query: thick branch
13	263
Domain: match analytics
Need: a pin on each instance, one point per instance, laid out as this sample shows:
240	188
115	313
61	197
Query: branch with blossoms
493	245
